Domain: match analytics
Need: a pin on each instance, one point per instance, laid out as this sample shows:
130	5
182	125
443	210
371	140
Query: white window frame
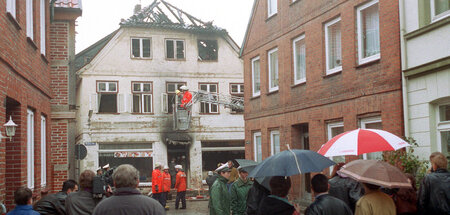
272	11
141	105
364	121
43	151
442	126
142	95
30	149
255	147
141	47
29	18
175	49
42	25
239	88
339	68
297	80
437	17
208	85
11	7
361	59
272	144
272	89
256	93
107	87
330	126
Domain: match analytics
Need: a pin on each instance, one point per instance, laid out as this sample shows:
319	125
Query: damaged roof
68	4
162	14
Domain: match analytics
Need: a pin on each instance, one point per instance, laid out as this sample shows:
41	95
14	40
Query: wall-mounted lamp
10	127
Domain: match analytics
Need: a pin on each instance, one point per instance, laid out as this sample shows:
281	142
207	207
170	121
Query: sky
102	17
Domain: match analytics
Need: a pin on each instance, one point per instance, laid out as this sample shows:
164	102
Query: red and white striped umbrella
361	141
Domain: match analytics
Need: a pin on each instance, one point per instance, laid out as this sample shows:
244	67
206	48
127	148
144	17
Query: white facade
425	32
126	131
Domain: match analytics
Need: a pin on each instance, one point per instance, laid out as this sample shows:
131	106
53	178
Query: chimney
137	8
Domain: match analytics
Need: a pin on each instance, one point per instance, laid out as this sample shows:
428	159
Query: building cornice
428	67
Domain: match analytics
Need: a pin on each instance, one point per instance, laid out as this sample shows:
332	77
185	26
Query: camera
101	183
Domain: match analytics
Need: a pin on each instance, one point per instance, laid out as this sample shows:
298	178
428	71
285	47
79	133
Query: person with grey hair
127	199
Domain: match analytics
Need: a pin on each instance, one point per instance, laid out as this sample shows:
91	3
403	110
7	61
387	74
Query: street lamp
10	127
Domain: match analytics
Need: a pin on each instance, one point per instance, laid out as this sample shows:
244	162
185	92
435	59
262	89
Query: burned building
126	92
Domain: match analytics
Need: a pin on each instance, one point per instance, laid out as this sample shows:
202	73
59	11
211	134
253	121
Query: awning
178	138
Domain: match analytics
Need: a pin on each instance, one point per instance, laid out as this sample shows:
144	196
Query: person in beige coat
374	202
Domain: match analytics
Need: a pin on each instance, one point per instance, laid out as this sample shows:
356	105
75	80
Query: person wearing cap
157	182
99	171
220	199
165	187
239	191
210	179
187	96
180	185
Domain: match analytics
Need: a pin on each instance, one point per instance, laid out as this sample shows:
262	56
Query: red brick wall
357	91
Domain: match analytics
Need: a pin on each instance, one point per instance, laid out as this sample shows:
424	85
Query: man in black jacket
434	192
55	203
325	204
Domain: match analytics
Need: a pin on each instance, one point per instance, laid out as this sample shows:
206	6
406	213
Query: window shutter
164	103
121	103
93	100
130	102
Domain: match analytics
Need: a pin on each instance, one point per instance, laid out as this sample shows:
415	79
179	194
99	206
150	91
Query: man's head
438	161
319	184
178	167
126	176
224	171
70	186
242	173
106	167
210	173
280	185
230	164
166	169
157	166
86	179
184	88
370	187
23	196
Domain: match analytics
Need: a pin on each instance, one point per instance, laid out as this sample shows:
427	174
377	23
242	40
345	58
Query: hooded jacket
434	193
254	197
239	191
219	201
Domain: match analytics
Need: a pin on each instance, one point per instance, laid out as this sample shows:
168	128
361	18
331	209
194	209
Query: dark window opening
107	103
135	48
169	48
207	50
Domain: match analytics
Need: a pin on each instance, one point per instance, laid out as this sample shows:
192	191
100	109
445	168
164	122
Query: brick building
27	77
314	69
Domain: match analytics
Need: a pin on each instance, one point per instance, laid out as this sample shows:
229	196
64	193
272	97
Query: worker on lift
187	96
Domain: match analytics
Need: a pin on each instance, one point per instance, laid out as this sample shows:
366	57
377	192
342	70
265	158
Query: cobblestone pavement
193	208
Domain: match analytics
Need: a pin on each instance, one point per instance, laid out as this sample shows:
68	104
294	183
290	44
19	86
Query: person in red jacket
180	185
187	96
157	182
165	186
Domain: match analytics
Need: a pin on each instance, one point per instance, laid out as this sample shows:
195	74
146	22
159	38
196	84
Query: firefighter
180	185
165	186
157	183
187	96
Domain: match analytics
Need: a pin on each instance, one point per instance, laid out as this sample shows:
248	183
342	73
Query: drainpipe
404	65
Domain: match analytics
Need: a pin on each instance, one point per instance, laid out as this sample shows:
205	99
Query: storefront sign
132	154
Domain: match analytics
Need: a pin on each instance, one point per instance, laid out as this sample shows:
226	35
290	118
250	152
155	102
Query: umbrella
361	141
249	165
291	162
376	172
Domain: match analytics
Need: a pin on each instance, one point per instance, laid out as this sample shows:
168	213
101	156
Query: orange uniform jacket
156	181
180	182
187	96
166	182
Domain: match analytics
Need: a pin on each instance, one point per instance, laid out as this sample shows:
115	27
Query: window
207	50
275	142
334	129
209	107
256	78
273	70
299	60
141	47
107	97
43	151
171	96
237	90
333	46
257	146
30	149
368	32
142	97
174	49
11	7
372	123
42	24
439	9
271	7
29	9
443	127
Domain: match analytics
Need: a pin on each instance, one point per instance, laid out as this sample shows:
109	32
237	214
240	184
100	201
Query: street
193	208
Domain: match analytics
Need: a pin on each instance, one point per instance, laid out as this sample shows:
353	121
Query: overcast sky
101	17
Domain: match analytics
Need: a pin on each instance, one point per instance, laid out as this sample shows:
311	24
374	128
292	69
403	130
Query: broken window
107	97
171	95
142	97
207	50
140	47
174	49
